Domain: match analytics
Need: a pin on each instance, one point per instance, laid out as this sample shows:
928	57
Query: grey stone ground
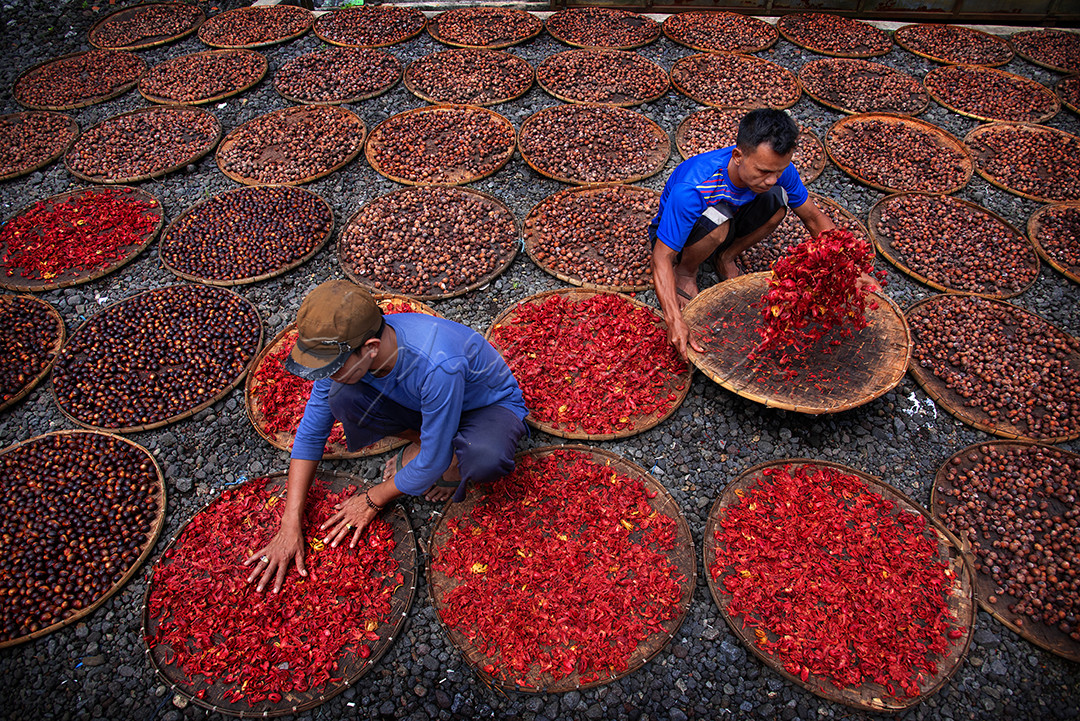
96	669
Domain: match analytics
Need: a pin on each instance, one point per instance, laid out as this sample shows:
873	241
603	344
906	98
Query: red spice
563	567
82	233
836	581
813	290
218	630
594	365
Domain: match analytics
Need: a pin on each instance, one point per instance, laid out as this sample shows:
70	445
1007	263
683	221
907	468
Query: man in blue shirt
718	204
434	382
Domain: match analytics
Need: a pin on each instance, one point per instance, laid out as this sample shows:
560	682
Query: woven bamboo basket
130	13
1034	230
249	83
72	131
53	351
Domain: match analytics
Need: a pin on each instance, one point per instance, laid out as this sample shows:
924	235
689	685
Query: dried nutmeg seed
602	76
32	138
954	44
1059	235
28	333
1016	505
428	240
733	80
861	86
898	155
1058	49
143	143
155	356
1030	159
956	245
595	235
293	145
370	26
480	27
1007	366
79	507
596	27
990	94
246	233
200	77
338	75
79	79
834	35
720	31
472	76
143	23
592	144
251	26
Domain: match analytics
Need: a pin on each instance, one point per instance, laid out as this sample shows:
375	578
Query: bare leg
686	271
725	260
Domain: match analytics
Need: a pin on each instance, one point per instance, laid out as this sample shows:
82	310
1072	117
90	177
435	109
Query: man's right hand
679	336
273	560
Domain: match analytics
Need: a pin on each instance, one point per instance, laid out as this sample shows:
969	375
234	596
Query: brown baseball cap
334	320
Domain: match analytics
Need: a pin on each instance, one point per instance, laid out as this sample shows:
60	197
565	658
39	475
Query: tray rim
72	128
924	91
199	20
162	100
57	344
148	545
184	415
778	70
1026	127
157	173
670	34
961	413
886	249
264	43
786	35
650	421
1022	54
410	84
328	12
487	197
1075	107
1033	236
900	41
684	532
437	35
349	116
142	247
945	538
599	51
1039	89
353	99
281	270
94	100
562	39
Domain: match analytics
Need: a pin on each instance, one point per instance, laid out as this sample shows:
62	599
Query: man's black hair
767	125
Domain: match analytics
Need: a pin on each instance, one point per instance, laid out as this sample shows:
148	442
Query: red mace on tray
263	646
836	583
814	289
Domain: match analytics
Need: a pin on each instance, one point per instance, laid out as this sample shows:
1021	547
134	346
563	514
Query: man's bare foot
685	288
727	269
439	493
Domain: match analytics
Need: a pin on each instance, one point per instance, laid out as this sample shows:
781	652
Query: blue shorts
745	219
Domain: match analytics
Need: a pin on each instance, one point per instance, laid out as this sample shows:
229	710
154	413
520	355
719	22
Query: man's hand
679	336
353	516
273	560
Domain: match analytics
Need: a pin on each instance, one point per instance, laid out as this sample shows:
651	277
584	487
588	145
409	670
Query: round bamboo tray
145	548
606	89
682	556
676	385
725	122
1068	92
699	30
361	57
1041	634
1072	142
206	30
181	415
954	403
884	245
495	206
535	235
351	665
616	20
1023	43
1035	230
905	38
117	89
195	156
719	73
528	26
480	82
283	440
398	28
294	115
791	25
150	41
496	158
869	696
841	130
9	124
829	88
167	240
832	379
945	76
16	281
791	231
52	352
655	143
235	90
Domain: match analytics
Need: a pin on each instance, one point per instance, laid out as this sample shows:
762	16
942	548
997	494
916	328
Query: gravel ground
97	668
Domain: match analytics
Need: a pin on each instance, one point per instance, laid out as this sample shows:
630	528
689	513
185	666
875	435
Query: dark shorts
745	219
484	444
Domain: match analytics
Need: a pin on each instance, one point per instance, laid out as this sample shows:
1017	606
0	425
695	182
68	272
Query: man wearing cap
720	203
434	382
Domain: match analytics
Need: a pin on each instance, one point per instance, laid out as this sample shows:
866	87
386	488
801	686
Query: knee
484	461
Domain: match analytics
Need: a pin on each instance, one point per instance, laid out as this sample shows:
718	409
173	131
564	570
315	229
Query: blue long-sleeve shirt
442	369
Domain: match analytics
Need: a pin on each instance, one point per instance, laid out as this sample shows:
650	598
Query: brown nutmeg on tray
203	77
